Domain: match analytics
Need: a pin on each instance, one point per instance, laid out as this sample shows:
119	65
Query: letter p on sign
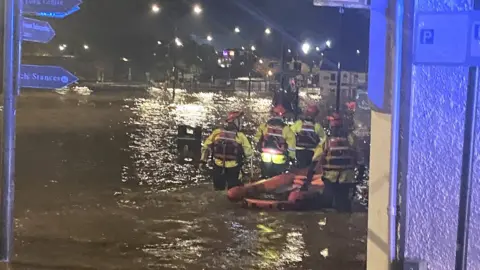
476	30
427	36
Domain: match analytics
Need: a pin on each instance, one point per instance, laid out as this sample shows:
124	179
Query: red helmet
351	105
335	120
232	116
312	110
279	110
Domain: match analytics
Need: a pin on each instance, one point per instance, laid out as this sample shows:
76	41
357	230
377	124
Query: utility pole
339	65
174	58
282	62
11	72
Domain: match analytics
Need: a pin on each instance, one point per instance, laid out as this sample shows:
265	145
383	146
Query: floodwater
98	188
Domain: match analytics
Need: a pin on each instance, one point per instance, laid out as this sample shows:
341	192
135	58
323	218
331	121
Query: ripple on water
122	202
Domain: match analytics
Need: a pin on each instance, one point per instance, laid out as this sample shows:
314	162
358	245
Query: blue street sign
58	15
51	8
45	77
447	38
37	31
441	38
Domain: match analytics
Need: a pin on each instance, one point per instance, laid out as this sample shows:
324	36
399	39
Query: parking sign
427	36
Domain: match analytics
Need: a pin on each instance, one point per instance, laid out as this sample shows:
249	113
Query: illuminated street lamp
317	49
125	59
62	47
289	51
178	42
155	8
197	9
86	47
209	38
159	42
328	43
306	47
237	29
270	73
268	31
253	48
260	61
243	48
358	51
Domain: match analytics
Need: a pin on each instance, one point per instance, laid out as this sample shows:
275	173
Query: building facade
349	82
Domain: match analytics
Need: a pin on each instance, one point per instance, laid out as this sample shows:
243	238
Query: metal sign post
16	29
10	61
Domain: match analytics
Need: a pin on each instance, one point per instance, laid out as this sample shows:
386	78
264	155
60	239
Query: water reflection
91	197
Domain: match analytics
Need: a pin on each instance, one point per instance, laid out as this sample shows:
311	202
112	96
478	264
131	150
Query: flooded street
98	187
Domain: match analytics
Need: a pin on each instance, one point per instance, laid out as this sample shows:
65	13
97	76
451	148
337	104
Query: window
332	77
355	78
326	78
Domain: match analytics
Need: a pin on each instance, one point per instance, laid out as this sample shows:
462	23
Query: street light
243	48
268	31
306	47
270	73
253	48
289	51
62	47
317	49
159	42
328	43
124	59
155	8
178	42
86	47
237	29
197	9
358	51
209	38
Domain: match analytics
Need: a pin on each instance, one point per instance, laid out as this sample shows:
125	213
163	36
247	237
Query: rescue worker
228	147
338	160
276	143
309	135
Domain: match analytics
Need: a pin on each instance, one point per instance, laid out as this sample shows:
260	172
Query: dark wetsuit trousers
226	177
272	169
304	158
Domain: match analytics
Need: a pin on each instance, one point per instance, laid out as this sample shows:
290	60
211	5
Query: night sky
129	28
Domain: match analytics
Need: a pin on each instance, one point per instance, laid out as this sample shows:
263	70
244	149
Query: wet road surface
98	188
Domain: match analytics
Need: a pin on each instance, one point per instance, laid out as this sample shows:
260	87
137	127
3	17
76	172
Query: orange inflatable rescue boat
282	192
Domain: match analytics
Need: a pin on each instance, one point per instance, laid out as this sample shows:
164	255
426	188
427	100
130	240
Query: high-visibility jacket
308	134
276	141
326	158
227	147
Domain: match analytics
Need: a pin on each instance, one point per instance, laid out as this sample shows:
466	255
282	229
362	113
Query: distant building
350	81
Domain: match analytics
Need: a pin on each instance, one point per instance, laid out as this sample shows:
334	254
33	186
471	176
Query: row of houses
349	82
325	82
